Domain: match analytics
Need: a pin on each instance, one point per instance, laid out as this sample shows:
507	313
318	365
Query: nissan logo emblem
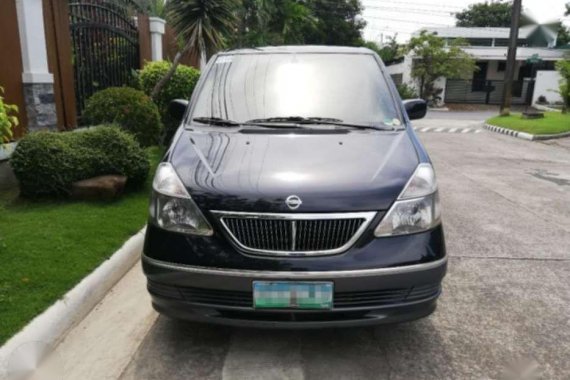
293	202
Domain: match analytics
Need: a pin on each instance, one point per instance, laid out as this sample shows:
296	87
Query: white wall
493	72
404	68
547	85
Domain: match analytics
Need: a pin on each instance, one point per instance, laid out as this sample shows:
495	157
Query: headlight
172	208
417	208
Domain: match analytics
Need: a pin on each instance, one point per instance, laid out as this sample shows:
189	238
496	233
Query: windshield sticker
392	122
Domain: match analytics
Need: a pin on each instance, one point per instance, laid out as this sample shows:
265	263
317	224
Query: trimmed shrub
132	110
47	163
406	91
180	86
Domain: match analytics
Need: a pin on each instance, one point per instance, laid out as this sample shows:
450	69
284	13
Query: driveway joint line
135	353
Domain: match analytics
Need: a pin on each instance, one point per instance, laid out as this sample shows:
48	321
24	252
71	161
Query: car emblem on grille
293	202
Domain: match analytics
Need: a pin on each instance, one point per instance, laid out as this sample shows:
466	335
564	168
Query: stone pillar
156	33
37	80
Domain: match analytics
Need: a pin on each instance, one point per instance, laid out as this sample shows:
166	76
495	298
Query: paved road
506	298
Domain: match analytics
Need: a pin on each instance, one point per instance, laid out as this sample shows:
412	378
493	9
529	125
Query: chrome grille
295	234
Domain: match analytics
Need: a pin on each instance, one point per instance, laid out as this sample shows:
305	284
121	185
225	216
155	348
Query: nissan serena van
295	194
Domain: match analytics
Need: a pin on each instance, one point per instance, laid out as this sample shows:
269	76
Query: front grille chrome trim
295	217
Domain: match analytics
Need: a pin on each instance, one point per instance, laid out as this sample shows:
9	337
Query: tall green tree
563	37
266	22
339	22
203	25
432	59
487	14
322	22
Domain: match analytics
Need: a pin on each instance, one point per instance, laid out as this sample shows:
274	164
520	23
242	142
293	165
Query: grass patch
47	247
552	123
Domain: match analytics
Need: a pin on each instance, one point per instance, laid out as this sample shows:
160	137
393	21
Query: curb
545	108
524	135
51	326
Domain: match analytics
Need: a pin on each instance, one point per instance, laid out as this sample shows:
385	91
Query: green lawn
553	122
48	247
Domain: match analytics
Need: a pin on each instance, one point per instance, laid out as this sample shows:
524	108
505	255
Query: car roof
300	49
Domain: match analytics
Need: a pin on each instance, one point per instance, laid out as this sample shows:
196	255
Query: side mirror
415	108
177	108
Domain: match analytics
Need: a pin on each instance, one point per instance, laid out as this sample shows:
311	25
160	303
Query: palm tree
154	8
203	25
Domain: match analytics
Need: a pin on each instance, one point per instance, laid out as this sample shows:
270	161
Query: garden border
524	135
51	326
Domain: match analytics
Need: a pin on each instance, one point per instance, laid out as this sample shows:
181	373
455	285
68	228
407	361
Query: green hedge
131	109
47	163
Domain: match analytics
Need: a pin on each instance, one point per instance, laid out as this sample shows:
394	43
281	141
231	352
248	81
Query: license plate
292	295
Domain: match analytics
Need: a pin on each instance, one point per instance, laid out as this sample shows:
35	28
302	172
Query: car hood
234	171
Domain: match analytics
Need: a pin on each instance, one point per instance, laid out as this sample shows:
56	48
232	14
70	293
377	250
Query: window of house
502	66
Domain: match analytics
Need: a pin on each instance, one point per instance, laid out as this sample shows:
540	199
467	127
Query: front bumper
361	297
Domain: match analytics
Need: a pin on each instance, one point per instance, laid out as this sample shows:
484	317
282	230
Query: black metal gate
105	46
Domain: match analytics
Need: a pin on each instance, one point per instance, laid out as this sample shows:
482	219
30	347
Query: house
534	76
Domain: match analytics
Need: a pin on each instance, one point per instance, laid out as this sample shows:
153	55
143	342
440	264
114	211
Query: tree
155	8
432	59
563	37
264	22
321	22
339	22
389	52
203	25
563	68
494	14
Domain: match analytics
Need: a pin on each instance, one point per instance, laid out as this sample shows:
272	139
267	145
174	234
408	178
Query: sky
386	18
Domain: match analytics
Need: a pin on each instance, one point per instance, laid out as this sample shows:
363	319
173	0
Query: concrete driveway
506	299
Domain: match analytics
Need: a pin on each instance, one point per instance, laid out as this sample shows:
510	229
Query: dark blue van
295	194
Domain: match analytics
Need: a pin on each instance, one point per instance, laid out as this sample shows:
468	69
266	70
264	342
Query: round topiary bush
131	109
47	163
180	86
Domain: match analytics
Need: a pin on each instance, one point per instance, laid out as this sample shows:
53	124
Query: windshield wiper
295	119
216	121
230	123
319	120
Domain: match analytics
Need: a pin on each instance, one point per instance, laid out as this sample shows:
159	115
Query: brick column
37	80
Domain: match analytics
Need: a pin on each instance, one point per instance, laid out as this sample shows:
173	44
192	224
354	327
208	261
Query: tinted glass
349	87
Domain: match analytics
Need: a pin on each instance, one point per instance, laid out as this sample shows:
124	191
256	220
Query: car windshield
344	87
